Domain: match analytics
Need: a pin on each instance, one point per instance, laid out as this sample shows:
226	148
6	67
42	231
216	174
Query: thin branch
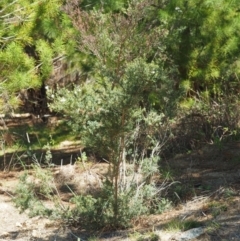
9	14
8	6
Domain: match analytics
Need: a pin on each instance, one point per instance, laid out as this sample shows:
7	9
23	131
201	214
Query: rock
35	234
19	225
190	234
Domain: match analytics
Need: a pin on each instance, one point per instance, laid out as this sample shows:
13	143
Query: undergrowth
182	225
89	212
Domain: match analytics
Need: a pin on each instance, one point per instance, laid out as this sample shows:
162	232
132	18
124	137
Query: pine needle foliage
32	35
204	42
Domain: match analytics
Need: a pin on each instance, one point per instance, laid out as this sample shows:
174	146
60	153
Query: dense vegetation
124	72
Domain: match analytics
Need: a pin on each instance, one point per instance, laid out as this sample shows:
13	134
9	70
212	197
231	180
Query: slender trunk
117	168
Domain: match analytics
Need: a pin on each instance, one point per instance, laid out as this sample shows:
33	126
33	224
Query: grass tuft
176	225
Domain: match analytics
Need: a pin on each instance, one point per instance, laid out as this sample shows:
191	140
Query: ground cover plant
91	209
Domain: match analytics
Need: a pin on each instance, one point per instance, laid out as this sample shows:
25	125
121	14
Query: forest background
125	75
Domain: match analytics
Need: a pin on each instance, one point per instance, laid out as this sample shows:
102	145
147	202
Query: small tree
116	106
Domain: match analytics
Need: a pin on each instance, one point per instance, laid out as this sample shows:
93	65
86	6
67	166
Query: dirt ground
208	192
18	226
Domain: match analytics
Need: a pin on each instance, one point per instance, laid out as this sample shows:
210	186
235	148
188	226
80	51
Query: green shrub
27	197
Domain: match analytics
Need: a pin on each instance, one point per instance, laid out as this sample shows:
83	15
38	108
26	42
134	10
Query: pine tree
204	43
33	34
